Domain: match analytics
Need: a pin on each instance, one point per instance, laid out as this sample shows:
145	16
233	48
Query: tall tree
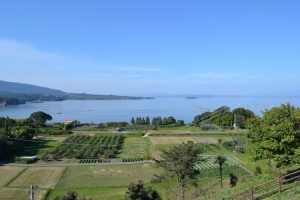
132	121
276	135
147	121
40	117
221	161
179	163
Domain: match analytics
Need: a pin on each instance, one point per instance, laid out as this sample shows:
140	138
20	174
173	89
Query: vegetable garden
208	167
89	147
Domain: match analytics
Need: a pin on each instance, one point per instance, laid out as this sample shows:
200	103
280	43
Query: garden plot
44	177
208	167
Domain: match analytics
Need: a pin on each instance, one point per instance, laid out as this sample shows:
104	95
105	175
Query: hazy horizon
153	48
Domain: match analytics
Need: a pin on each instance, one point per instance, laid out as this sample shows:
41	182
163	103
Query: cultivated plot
7	173
107	175
157	140
44	177
134	147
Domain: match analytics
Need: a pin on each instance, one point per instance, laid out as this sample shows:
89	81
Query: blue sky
153	47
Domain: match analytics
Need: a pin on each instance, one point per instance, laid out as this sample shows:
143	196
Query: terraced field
43	177
8	173
208	167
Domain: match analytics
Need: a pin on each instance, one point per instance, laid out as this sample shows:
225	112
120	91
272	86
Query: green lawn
107	175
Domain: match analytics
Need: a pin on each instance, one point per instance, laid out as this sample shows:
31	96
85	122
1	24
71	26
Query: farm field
7	173
84	146
43	177
107	175
208	167
135	147
161	140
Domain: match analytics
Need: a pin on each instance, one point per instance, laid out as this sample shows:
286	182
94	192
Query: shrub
233	180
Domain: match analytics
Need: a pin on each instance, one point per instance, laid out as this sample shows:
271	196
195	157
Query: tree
147	121
132	121
40	117
276	135
179	163
72	195
139	192
242	116
233	179
221	161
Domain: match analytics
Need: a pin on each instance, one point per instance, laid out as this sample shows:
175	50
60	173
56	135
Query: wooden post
251	193
280	184
31	191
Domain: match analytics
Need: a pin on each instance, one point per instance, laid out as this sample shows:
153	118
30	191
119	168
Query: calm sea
123	110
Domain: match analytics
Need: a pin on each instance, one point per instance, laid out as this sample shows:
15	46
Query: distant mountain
21	88
12	93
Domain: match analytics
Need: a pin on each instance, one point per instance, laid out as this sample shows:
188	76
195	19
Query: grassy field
8	173
107	175
170	140
95	193
135	147
43	177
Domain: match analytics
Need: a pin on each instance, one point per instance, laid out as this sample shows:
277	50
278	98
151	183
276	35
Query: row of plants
89	147
137	159
94	161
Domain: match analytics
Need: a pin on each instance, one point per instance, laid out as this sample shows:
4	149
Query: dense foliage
223	117
89	147
40	117
139	192
276	135
157	121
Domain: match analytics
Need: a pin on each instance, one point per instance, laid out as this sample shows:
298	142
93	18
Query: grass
43	177
40	148
170	140
135	147
95	193
7	173
107	175
14	193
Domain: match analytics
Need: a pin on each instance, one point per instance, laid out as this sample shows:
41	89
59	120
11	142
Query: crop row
209	162
89	147
93	161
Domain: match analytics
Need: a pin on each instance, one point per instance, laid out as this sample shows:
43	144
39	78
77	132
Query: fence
268	188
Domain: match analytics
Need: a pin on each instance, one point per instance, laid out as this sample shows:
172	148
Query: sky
145	47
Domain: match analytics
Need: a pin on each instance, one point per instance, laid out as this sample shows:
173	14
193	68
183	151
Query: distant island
12	93
191	97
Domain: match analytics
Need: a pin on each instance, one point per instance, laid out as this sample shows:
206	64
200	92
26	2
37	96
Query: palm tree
221	161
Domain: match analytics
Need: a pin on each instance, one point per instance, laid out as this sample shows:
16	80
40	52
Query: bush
233	180
229	145
258	171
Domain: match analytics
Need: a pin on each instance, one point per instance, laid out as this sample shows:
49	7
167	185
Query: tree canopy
40	117
139	192
276	135
179	163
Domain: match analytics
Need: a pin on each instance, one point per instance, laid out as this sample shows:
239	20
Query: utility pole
31	193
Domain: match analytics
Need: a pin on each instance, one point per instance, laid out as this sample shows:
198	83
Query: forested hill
21	88
18	93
